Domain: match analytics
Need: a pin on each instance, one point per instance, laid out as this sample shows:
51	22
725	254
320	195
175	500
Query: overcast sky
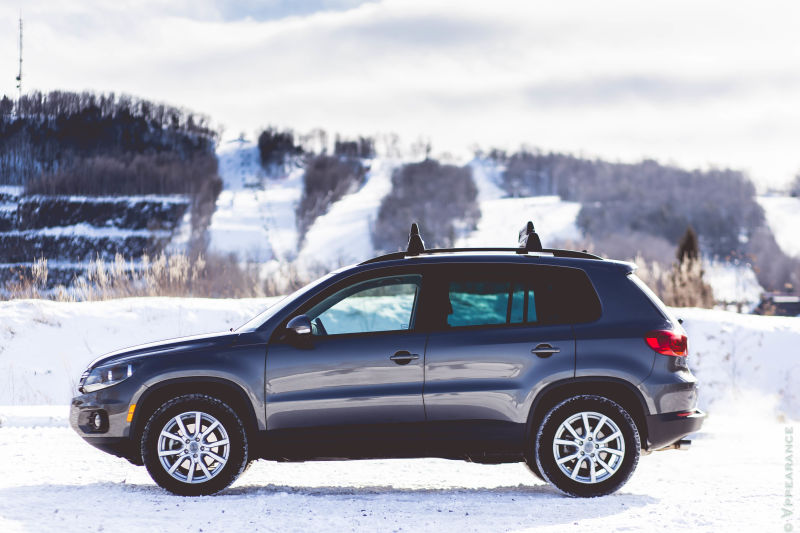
686	82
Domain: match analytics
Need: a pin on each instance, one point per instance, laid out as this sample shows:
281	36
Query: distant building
779	305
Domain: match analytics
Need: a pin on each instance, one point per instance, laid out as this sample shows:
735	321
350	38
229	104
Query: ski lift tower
19	74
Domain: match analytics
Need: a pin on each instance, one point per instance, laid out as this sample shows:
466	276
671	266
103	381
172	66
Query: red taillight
667	342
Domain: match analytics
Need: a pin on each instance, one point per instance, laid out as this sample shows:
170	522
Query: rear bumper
667	428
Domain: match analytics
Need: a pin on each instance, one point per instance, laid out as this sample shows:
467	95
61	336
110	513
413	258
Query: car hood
180	344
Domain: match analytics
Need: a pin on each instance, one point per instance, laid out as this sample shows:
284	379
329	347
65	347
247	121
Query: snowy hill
255	219
783	217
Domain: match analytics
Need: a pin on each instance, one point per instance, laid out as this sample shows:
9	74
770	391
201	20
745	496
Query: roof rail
528	239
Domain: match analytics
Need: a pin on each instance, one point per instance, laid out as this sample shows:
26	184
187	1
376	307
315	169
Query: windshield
256	322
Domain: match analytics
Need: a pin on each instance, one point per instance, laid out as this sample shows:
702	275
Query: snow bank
744	356
44	345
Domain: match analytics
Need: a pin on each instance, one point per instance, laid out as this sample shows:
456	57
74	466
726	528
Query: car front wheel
194	445
587	446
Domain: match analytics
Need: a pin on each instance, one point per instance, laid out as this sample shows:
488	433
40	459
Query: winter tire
587	446
194	445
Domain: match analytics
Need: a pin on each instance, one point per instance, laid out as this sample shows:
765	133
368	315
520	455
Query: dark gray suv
557	358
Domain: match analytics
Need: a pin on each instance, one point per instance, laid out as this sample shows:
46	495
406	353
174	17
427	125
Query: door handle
545	350
403	357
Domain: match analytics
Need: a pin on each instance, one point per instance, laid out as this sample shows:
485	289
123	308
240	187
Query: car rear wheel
194	444
587	446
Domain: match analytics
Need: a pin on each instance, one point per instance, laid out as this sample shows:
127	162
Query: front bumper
668	428
113	434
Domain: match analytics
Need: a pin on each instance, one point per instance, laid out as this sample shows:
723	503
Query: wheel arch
155	396
617	390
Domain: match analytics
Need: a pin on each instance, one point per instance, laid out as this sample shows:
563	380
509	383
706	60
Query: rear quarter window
568	297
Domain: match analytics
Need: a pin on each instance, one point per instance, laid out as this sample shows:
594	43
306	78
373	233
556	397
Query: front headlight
107	375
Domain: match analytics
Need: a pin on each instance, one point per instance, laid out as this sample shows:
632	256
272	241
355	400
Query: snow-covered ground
783	217
731	480
50	480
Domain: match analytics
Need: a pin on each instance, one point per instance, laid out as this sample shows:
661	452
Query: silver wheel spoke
208	430
567	458
572	431
599	425
204	468
171	436
565	442
166	453
612	451
604	465
611	437
592	474
175	465
577	467
190	474
197	424
215	457
181	426
217	443
587	430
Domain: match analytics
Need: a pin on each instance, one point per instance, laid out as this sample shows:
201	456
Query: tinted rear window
485	295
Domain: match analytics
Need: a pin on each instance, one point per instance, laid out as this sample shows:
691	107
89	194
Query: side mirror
300	326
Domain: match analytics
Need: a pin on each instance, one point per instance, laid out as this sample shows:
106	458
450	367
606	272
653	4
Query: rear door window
494	295
481	303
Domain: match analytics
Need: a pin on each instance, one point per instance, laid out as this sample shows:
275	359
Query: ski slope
343	235
502	218
255	213
783	217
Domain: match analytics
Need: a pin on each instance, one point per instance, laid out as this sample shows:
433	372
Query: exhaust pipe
682	444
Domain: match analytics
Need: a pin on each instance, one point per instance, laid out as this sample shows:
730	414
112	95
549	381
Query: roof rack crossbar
556	252
528	242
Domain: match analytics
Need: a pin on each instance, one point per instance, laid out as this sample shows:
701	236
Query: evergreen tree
689	248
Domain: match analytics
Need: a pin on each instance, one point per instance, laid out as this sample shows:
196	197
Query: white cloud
688	82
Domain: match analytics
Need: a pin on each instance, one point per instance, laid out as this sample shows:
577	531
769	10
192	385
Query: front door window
383	304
